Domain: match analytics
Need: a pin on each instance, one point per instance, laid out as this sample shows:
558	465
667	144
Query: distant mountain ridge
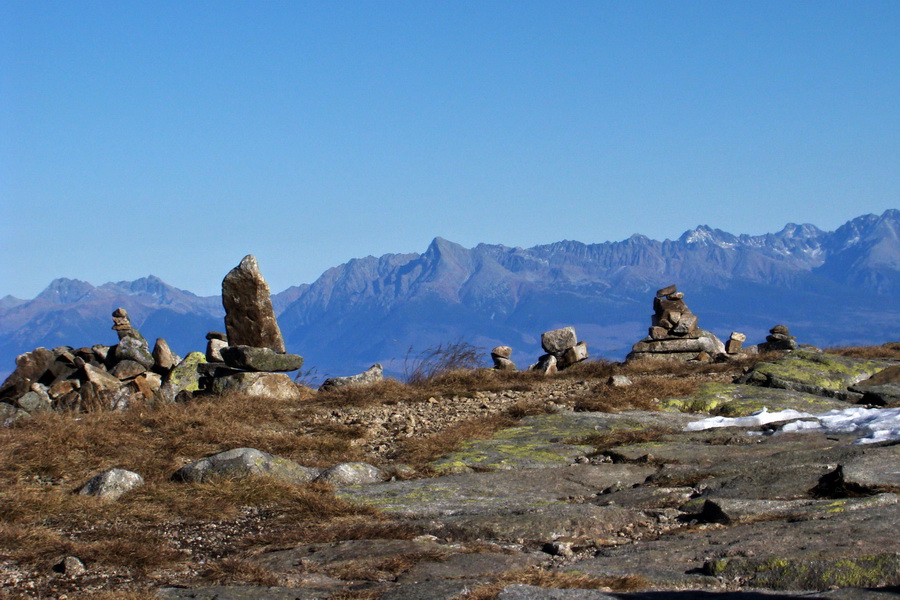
830	287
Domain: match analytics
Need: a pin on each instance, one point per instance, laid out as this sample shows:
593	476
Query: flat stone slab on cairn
249	316
250	358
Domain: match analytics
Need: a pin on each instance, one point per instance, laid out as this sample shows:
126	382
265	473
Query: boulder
269	386
619	381
249	316
245	462
373	374
251	358
558	340
352	473
111	484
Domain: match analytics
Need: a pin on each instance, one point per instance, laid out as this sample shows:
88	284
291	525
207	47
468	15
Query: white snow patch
870	424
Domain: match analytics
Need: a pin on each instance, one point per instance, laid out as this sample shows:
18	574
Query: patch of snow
870	424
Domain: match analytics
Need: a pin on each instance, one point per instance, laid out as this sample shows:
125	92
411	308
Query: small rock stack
562	351
735	343
116	377
674	332
501	357
779	339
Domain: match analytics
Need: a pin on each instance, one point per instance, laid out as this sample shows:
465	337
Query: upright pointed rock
249	316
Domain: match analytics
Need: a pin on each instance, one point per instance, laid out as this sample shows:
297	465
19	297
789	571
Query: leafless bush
441	359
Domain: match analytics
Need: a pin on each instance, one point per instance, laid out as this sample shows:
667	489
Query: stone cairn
779	339
116	377
674	332
562	351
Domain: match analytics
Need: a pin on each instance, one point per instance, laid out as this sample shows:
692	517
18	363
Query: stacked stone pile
501	357
675	333
779	339
116	377
562	351
85	379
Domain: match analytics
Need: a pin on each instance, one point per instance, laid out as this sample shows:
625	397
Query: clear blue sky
172	138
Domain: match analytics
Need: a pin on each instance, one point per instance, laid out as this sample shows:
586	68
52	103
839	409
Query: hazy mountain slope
830	287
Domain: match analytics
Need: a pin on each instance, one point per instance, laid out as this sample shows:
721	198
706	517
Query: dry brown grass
559	579
890	351
229	571
620	437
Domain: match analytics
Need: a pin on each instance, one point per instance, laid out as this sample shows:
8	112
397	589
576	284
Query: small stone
733	346
619	381
675	296
217	335
658	333
214	350
738	337
780	329
71	566
127	369
100	351
112	484
61	388
163	357
559	548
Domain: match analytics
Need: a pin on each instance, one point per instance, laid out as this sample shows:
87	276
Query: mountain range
830	288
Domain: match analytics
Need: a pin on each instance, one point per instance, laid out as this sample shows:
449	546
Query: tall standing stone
249	316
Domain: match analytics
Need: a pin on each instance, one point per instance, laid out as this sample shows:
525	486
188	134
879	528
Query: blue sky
173	138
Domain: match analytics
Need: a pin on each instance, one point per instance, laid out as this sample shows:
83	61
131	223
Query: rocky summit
687	471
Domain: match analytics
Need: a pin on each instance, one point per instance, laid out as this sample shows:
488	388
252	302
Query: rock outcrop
675	333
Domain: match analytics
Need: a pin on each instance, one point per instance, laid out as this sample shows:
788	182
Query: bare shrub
437	360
